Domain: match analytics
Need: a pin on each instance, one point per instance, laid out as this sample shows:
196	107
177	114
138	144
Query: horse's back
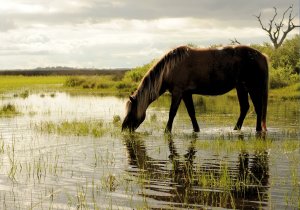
217	71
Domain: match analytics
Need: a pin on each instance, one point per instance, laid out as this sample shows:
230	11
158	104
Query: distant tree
279	29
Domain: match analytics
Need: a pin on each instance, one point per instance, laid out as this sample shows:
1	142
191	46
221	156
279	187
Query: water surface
147	170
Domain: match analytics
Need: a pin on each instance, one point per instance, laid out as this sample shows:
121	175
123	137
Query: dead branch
275	29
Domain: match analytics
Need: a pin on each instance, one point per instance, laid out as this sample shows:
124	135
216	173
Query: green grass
17	83
98	84
8	110
75	128
107	84
289	92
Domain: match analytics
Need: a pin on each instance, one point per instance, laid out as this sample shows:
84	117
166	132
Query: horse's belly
213	89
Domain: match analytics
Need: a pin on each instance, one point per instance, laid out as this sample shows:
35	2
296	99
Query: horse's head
133	117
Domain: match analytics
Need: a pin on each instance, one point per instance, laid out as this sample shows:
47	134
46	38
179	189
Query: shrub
74	82
282	77
284	62
88	85
123	85
278	79
103	86
136	74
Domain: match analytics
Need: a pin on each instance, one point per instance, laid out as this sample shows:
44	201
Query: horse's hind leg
256	97
244	106
176	98
188	101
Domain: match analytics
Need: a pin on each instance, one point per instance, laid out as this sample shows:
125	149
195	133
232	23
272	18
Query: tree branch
290	25
275	29
234	41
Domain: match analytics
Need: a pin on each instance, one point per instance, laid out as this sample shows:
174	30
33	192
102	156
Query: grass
13	83
98	84
287	93
8	110
76	128
107	84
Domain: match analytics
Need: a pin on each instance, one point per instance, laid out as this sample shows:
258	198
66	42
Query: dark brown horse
185	71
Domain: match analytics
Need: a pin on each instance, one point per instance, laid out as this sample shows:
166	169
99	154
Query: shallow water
41	170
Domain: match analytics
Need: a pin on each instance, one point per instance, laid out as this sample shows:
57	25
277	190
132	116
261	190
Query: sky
124	33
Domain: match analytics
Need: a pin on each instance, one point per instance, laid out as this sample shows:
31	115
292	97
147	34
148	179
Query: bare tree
234	41
276	29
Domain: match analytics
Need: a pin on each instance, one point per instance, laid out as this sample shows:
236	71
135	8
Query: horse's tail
265	93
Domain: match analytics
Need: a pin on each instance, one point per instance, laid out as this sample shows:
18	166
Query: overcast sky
123	33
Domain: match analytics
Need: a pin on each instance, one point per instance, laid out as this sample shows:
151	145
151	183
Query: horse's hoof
167	131
196	130
236	128
260	135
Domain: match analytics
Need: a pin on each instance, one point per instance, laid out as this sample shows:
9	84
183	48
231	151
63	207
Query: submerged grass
76	128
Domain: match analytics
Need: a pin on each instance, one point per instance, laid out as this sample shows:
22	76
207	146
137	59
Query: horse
185	71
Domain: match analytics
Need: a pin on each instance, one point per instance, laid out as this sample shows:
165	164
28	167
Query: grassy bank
17	83
108	84
286	93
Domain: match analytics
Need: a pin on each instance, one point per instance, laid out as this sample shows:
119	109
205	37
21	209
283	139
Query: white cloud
103	33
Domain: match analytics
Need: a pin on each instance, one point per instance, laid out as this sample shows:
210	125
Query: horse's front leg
188	101
176	98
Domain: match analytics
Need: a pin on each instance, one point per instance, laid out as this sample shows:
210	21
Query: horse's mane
150	86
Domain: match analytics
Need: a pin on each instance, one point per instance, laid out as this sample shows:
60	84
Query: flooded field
63	151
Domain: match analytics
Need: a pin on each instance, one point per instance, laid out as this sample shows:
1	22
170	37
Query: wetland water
44	169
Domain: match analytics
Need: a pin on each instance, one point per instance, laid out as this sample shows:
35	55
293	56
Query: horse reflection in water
182	186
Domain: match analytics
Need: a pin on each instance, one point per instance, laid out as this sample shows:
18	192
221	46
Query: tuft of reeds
8	110
76	128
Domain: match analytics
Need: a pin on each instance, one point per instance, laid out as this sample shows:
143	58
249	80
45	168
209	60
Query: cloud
76	12
116	43
118	33
6	25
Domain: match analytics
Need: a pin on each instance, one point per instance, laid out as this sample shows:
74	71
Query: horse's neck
143	99
149	89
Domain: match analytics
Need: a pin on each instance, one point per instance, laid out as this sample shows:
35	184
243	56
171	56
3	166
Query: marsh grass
291	92
112	84
116	120
105	84
8	110
75	128
24	94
